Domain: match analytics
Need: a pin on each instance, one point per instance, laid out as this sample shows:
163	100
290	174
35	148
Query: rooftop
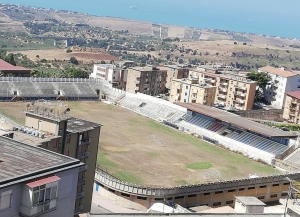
29	138
223	76
146	68
110	66
22	162
277	71
236	120
5	66
250	201
295	94
79	125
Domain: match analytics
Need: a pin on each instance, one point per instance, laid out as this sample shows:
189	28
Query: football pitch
142	151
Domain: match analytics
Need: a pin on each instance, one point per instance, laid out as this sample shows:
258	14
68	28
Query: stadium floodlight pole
289	195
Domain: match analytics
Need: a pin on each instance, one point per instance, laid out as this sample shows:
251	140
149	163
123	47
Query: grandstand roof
4	66
236	120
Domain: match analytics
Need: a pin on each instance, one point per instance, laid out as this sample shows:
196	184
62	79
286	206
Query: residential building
16	71
73	137
174	72
106	72
282	81
191	91
35	181
146	80
233	90
291	110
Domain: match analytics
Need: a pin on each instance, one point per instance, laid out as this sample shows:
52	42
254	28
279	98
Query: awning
39	182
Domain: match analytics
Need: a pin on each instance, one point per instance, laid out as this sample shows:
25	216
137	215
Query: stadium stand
294	158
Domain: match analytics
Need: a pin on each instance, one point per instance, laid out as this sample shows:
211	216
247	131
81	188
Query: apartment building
70	136
106	72
36	182
191	91
291	110
233	90
282	81
174	72
146	80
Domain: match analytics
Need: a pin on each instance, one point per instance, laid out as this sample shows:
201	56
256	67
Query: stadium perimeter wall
267	189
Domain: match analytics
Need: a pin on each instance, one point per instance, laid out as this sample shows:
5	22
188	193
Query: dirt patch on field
126	148
61	54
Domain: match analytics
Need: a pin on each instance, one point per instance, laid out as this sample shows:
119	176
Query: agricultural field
172	158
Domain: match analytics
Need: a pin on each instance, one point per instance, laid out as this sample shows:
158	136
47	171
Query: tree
262	79
76	73
74	60
10	59
103	62
168	56
180	61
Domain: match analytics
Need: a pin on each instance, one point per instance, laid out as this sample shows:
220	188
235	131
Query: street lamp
289	195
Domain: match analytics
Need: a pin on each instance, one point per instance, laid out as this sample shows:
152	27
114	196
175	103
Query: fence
111	182
70	80
8	120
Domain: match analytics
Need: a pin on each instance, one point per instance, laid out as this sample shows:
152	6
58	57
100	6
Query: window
229	202
192	195
55	143
68	139
125	195
273	195
141	198
263	186
284	194
232	190
186	87
184	100
298	86
5	199
179	197
43	194
241	189
261	197
218	192
67	152
217	204
185	94
251	188
206	193
275	185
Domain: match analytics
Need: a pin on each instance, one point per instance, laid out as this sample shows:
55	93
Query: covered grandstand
28	88
234	132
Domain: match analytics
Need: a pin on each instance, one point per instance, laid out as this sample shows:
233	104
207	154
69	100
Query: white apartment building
282	81
106	72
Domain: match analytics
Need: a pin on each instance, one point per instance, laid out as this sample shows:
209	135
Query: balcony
294	102
137	82
78	209
83	168
222	96
179	87
206	94
82	155
136	88
85	141
224	90
204	101
224	84
81	181
292	114
239	101
195	90
80	195
242	88
239	94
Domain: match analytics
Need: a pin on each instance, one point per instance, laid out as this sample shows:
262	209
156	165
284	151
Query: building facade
69	136
191	91
146	80
282	81
291	110
106	72
35	181
174	72
230	90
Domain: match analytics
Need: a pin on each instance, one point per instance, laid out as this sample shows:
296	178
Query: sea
266	17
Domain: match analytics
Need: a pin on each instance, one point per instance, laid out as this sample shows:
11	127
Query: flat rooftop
78	125
31	139
250	201
236	120
277	71
23	161
146	69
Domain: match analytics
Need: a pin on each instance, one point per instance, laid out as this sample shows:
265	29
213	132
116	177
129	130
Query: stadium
190	154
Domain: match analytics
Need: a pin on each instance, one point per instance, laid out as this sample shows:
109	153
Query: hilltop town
192	120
